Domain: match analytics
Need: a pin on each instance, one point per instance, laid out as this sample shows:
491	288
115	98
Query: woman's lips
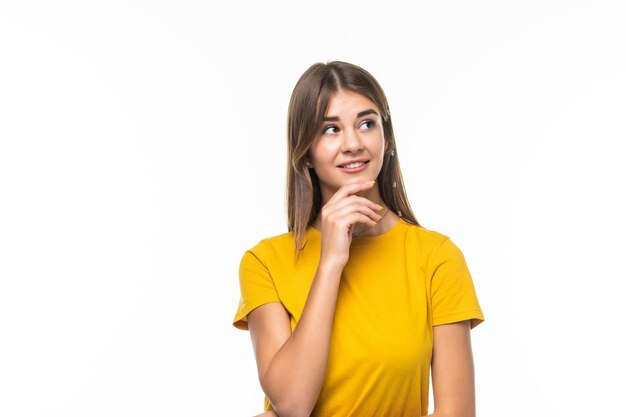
358	168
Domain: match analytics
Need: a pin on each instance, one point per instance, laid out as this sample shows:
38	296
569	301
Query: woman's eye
329	130
368	124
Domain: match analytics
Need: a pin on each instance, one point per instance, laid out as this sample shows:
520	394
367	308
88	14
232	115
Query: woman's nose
351	142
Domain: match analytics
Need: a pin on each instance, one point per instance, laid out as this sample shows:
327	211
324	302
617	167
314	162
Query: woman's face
350	145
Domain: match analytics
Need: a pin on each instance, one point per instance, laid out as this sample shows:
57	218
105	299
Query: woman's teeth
353	165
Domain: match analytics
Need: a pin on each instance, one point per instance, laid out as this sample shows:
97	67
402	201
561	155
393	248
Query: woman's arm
453	371
292	366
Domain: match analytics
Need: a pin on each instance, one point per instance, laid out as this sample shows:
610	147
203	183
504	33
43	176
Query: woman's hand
339	217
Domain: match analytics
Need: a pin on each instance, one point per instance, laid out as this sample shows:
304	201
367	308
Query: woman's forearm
439	414
295	376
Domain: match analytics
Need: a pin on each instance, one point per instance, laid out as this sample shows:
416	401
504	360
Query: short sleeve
256	285
453	296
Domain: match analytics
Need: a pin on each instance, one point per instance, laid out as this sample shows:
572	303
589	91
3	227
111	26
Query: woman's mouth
354	166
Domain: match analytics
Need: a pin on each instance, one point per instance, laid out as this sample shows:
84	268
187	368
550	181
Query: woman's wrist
331	265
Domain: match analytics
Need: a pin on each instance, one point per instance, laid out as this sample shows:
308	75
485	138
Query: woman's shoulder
273	244
426	236
438	245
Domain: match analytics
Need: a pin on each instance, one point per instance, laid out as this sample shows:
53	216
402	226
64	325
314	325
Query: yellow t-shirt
394	288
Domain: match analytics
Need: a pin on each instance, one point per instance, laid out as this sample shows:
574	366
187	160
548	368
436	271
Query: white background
142	150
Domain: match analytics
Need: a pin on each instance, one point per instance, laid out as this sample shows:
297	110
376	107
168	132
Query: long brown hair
307	107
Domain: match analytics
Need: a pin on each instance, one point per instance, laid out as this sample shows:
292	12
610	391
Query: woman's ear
307	160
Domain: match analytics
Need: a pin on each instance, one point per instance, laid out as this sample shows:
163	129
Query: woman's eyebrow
368	111
360	114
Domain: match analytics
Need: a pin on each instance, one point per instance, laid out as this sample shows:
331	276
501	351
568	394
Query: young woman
349	310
